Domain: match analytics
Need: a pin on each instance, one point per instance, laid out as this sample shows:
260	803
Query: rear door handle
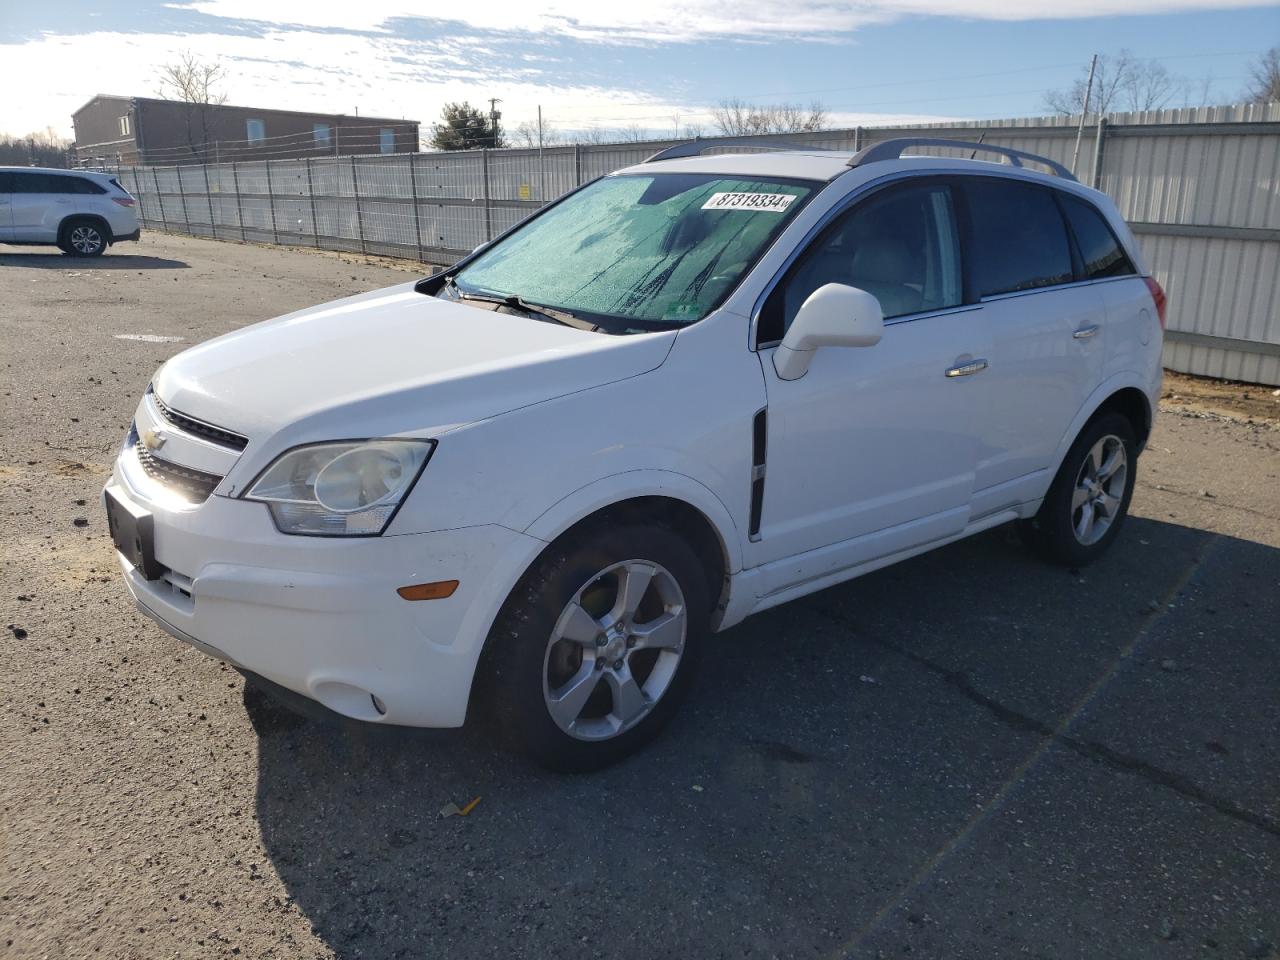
967	369
1084	333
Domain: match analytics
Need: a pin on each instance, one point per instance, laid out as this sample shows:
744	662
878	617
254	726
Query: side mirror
835	315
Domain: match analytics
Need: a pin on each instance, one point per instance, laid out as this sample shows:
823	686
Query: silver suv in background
80	212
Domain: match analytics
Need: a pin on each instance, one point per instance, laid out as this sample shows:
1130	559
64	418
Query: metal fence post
577	164
182	192
488	218
271	202
1100	136
208	195
311	194
857	139
413	190
164	222
235	185
355	188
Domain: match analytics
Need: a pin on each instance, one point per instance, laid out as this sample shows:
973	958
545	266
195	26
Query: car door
1047	335
6	207
35	208
872	450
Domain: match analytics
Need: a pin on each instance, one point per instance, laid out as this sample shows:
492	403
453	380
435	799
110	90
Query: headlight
340	489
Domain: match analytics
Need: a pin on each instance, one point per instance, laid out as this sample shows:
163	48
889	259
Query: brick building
144	130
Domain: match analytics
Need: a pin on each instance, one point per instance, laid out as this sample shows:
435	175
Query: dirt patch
1241	401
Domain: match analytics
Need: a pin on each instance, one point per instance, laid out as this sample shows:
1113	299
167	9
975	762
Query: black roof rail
697	146
892	150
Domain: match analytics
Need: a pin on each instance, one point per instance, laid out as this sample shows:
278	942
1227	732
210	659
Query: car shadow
829	750
107	261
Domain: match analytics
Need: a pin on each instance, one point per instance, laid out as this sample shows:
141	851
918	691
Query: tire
1086	505
83	237
565	661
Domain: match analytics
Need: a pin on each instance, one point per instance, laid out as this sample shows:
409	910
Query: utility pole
494	116
542	172
1084	112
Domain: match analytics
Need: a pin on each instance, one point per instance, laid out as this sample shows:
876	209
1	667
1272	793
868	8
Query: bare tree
632	133
693	130
197	85
589	135
1264	82
525	134
1148	85
1121	81
738	118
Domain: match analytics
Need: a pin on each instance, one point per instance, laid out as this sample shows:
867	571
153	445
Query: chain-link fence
1201	188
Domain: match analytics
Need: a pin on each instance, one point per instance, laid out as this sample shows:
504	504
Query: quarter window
1100	251
900	245
1019	241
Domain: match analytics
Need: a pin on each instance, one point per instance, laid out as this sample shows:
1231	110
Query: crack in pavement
1211	500
1088	749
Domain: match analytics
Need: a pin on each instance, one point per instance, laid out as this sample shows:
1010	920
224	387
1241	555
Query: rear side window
1100	251
1018	241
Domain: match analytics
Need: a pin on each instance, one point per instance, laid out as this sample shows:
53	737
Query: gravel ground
967	755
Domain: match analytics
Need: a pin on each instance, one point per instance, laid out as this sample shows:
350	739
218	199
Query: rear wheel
1089	499
83	238
595	647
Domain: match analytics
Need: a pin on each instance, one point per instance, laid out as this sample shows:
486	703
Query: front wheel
595	646
1085	507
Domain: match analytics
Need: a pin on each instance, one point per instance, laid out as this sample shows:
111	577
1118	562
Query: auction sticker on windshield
770	202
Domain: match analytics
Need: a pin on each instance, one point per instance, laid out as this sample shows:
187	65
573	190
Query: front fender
606	491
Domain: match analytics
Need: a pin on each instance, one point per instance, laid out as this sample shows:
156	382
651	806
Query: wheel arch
97	219
1133	405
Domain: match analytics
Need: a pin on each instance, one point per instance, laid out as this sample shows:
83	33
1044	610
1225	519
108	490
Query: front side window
900	245
387	140
1018	241
323	134
1100	251
635	253
255	131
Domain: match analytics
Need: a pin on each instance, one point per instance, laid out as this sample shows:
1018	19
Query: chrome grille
207	431
195	485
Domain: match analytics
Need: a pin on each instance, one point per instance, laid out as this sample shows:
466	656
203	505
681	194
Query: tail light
123	201
1157	294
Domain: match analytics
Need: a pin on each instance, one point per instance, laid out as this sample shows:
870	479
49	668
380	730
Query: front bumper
321	616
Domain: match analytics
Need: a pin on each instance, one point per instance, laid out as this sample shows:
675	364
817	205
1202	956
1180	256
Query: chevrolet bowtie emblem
153	439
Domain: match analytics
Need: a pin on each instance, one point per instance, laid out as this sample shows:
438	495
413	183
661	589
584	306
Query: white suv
80	212
525	488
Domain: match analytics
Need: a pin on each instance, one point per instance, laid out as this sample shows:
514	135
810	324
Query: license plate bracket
132	531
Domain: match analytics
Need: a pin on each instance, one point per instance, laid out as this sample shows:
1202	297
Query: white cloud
331	72
681	20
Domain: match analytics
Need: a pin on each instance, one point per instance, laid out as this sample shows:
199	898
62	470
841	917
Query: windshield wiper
516	302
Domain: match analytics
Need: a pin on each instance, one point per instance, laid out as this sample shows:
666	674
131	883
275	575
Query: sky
657	65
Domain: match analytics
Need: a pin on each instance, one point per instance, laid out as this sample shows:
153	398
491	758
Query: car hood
389	362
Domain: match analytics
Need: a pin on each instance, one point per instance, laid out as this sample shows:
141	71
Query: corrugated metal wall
1201	188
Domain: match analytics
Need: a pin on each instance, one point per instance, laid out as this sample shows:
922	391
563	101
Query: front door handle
967	369
1084	333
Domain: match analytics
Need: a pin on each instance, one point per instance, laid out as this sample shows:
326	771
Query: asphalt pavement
970	754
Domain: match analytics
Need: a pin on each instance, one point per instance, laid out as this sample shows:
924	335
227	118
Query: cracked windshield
637	253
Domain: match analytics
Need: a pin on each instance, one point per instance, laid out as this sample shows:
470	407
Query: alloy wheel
85	239
614	650
1099	490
